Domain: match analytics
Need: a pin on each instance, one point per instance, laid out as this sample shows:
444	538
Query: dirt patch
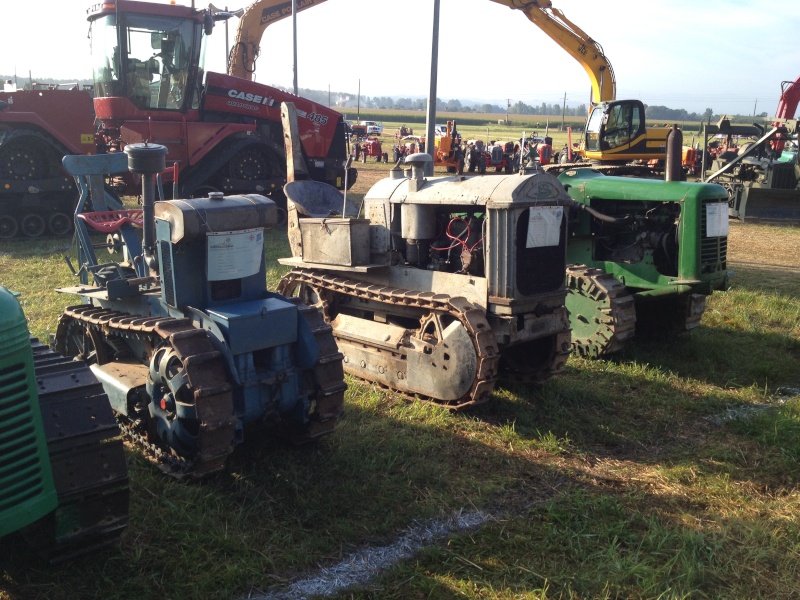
764	245
764	257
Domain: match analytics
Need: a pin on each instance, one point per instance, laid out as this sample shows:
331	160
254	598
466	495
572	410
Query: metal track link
602	312
208	379
472	318
87	458
328	375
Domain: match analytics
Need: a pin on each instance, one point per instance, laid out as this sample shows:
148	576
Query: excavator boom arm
254	21
574	40
787	107
262	13
790	98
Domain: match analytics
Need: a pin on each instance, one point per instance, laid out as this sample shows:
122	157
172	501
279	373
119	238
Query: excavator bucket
760	186
765	204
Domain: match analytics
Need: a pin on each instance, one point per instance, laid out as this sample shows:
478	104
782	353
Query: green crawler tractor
63	475
648	265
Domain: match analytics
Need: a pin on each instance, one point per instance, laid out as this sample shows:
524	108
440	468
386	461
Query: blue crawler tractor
180	328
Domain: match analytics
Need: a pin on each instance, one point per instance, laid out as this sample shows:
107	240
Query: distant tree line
346	100
654	113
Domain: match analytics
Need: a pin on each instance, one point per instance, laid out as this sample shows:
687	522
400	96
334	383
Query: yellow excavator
616	132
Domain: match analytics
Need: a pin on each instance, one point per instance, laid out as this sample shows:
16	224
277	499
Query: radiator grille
167	274
20	467
713	250
782	177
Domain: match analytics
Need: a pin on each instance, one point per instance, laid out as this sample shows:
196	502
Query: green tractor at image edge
63	475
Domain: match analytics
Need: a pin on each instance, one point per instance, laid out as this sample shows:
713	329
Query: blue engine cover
251	326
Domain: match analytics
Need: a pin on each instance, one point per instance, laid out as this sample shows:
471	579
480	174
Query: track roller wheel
173	410
32	225
602	313
8	227
59	224
79	342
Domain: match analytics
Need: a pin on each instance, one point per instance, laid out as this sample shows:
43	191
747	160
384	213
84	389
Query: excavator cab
616	132
614	125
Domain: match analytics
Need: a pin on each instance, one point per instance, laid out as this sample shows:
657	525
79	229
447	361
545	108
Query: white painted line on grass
359	568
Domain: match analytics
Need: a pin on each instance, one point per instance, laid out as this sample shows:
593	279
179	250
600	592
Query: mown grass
667	471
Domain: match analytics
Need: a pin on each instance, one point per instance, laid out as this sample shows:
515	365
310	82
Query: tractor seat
111	220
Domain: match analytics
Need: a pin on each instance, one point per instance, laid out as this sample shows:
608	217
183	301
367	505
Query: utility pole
227	46
294	42
754	107
563	110
508	107
430	144
358	104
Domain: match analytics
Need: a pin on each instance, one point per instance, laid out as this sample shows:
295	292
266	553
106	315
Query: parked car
373	127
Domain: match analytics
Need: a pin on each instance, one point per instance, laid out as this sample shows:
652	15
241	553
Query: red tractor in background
37	128
223	132
501	157
372	147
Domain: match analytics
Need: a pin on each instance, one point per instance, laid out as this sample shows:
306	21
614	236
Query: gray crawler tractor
447	284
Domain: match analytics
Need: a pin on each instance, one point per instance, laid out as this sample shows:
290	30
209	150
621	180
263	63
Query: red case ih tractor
223	132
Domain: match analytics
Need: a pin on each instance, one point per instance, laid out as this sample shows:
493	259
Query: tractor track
610	319
87	458
38	198
208	382
471	317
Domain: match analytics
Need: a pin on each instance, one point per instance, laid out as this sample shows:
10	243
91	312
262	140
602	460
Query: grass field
668	471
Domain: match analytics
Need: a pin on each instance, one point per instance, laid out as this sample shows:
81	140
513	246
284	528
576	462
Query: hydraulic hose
601	216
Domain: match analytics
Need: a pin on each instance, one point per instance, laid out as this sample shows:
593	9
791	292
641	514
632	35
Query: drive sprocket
191	427
602	313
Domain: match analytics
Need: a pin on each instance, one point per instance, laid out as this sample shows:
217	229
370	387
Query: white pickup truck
373	127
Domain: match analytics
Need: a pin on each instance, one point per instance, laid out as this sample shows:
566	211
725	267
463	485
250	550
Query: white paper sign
544	226
717	219
232	255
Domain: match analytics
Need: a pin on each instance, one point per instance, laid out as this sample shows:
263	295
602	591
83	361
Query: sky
727	55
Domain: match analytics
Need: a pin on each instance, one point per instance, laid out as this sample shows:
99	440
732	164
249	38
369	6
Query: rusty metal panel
335	241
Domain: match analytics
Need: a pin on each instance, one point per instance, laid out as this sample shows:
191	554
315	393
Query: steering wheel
166	60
